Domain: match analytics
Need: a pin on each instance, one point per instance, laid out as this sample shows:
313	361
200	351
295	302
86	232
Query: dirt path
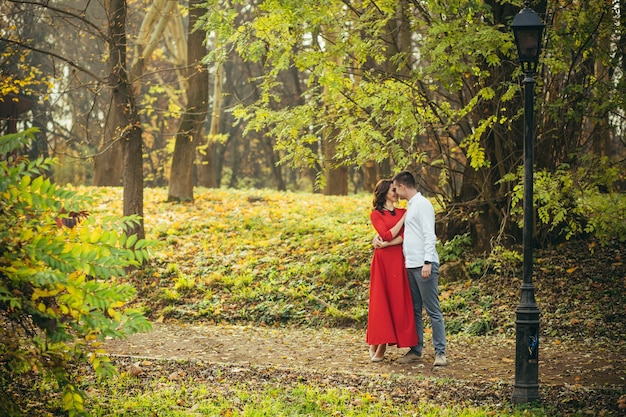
476	359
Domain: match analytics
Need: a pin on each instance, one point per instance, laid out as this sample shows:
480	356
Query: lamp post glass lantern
527	29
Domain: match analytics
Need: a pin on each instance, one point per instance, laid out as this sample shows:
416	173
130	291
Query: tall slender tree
124	110
190	128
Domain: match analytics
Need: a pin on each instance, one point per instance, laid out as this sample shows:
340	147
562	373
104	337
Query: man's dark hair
405	178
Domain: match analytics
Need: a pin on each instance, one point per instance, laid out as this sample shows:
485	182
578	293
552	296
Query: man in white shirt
422	264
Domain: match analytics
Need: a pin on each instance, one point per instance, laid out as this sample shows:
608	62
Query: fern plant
61	289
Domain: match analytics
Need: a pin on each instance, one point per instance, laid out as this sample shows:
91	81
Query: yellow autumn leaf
39	293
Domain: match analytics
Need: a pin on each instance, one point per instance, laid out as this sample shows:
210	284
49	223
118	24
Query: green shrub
574	202
507	263
60	287
454	249
606	217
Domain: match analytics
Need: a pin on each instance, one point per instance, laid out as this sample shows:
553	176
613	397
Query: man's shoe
440	359
409	357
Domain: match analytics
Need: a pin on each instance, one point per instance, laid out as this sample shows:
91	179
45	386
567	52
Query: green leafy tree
417	85
61	292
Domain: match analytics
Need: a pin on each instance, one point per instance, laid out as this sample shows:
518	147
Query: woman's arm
381	227
379	243
398	226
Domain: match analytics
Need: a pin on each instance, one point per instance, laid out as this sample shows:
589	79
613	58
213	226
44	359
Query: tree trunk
124	111
370	176
190	128
238	154
277	171
598	125
336	176
337	181
207	170
108	162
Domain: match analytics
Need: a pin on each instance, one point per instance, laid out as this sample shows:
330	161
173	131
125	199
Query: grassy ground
186	389
271	258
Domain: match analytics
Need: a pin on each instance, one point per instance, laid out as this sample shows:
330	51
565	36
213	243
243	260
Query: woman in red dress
390	319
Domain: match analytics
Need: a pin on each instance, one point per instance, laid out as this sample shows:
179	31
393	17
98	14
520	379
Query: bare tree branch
59	57
79	17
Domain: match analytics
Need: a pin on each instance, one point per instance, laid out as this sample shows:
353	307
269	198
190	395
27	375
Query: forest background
326	96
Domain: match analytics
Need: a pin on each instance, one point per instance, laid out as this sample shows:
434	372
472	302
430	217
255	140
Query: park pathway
476	359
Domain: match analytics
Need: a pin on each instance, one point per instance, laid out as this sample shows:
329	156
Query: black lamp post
528	29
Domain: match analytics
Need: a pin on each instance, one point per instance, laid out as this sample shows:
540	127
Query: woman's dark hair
380	194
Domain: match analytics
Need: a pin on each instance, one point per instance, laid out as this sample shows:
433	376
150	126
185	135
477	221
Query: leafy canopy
379	97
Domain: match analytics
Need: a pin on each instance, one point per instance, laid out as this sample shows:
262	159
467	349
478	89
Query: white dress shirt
419	233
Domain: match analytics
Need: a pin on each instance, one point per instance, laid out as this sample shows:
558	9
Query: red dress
390	316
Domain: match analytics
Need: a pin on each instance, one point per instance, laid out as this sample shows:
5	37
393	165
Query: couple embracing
404	274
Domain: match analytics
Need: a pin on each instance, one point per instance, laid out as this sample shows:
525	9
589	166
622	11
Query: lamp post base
525	393
526	352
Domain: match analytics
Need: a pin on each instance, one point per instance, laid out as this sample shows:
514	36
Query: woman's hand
378	242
